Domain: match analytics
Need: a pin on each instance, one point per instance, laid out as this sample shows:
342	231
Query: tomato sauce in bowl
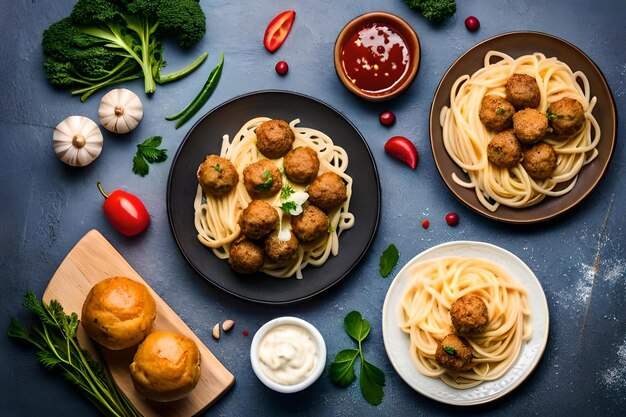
377	56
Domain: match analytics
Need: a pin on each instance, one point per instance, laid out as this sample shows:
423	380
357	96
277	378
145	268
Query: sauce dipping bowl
317	341
397	25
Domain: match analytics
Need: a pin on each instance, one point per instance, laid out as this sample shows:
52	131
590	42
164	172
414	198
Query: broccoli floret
106	40
433	10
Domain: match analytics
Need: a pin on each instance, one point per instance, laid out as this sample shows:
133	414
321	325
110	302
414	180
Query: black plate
206	137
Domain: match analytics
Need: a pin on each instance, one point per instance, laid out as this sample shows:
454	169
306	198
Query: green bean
203	96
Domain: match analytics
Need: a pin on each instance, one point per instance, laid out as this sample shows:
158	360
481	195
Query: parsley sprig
267	183
371	378
148	153
58	348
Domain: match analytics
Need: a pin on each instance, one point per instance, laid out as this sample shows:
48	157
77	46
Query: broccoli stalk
433	10
105	42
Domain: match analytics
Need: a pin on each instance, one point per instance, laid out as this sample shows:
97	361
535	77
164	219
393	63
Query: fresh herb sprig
58	348
267	184
371	378
388	260
148	153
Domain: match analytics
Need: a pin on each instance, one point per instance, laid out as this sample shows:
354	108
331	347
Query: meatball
281	250
327	191
539	161
454	353
262	179
567	115
504	150
522	91
217	176
496	113
258	220
245	256
274	138
469	314
530	126
310	225
301	164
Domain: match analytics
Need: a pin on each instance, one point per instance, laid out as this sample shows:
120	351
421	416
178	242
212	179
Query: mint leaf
342	367
372	380
388	260
357	327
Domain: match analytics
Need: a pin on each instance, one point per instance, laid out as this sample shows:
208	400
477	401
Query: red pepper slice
278	29
125	211
403	149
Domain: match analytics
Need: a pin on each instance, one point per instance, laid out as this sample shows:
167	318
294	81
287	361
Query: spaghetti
466	138
425	317
216	219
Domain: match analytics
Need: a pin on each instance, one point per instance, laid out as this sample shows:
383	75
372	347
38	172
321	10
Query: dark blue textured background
46	207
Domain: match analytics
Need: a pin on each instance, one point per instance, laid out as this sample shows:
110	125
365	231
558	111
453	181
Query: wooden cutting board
93	259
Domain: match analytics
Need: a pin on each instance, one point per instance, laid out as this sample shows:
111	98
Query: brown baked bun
118	312
166	366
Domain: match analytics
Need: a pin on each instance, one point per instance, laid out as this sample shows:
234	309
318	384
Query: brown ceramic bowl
399	26
516	44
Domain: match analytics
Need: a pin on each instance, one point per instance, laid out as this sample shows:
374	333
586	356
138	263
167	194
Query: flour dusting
615	377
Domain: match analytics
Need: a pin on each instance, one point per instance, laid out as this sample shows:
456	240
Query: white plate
397	342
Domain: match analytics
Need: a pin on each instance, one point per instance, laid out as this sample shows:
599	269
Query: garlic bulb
77	141
120	110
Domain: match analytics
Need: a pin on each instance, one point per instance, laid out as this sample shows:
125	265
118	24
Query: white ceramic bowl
321	353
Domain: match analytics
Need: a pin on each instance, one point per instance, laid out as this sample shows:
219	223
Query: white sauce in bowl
288	354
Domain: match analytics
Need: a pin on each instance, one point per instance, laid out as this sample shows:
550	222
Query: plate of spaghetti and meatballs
523	127
263	200
465	322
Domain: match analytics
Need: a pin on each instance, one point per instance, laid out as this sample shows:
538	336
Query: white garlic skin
120	110
77	141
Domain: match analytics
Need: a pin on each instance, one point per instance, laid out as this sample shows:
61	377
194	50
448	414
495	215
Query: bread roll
166	366
118	312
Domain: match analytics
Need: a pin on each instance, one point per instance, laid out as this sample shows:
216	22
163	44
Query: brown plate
517	44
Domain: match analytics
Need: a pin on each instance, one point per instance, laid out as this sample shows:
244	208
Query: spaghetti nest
466	138
425	317
216	218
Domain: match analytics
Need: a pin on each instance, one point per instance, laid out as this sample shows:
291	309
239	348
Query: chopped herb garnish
500	111
267	184
286	192
551	116
372	379
289	206
449	350
388	260
217	168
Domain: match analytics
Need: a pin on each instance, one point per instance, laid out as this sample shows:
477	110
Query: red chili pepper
403	149
125	211
278	29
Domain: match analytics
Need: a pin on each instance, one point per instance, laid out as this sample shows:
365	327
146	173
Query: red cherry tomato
452	219
282	67
125	212
403	149
472	23
278	29
386	118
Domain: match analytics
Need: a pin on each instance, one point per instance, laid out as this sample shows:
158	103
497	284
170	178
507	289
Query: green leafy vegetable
388	260
449	350
267	184
217	168
148	153
57	348
286	192
371	378
105	42
203	96
289	206
433	10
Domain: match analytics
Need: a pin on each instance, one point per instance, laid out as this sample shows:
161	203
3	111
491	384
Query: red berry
472	23
452	219
282	67
245	333
387	118
425	223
